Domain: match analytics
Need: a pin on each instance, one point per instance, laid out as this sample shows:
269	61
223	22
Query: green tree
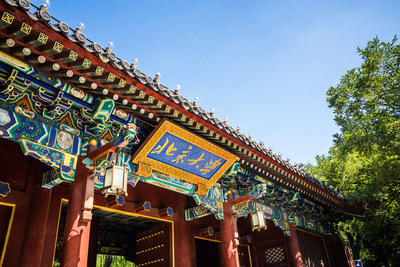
364	163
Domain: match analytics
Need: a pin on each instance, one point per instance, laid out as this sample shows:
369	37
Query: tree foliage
364	163
104	260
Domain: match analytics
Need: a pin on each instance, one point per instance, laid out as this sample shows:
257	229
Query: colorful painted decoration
56	148
214	206
179	153
78	93
127	134
133	179
15	63
15	127
64	140
115	201
4	117
309	224
243	209
55	158
120	200
4	189
169	211
166	212
170	183
121	114
196	212
284	226
98	119
52	178
143	207
88	163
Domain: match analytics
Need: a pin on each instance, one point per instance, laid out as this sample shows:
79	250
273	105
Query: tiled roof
76	36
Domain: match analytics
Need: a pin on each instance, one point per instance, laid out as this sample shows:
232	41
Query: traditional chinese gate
138	238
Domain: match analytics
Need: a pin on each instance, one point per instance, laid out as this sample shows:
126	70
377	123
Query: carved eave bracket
98	120
97	160
206	207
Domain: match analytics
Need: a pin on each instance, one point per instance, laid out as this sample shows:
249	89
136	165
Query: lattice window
275	255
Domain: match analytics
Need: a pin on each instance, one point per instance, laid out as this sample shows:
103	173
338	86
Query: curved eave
137	94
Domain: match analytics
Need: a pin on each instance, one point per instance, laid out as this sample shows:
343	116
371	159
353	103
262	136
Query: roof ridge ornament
261	143
110	47
134	63
156	79
42	12
80	27
78	35
212	112
45	4
177	89
108	55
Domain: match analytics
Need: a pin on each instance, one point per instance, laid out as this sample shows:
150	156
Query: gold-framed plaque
177	152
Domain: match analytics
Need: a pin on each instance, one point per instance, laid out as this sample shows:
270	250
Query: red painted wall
24	174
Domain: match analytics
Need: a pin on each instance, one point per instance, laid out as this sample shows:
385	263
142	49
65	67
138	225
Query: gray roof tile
79	38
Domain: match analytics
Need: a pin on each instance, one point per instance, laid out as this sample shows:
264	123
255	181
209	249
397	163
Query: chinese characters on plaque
185	156
179	153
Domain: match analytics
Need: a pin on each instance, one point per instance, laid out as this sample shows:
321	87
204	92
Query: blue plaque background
181	154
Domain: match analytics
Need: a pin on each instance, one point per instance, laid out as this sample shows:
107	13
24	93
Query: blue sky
266	65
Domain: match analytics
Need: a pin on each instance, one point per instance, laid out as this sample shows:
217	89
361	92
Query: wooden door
244	256
153	247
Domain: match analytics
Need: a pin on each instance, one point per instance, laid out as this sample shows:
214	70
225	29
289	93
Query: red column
77	221
228	226
31	253
183	237
94	230
294	249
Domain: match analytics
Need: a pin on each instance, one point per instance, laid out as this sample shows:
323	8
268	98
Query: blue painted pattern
4	189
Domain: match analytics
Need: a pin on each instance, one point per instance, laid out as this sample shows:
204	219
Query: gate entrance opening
121	237
208	253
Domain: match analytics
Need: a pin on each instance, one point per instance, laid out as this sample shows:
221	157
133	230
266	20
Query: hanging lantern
115	178
257	219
